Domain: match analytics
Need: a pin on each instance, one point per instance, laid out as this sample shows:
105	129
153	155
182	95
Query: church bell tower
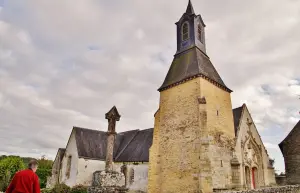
194	112
190	31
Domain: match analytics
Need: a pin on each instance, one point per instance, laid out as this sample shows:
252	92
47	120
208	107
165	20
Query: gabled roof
190	64
60	154
138	148
288	137
237	118
90	143
123	140
237	114
129	146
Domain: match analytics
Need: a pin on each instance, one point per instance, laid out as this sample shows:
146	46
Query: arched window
200	33
185	31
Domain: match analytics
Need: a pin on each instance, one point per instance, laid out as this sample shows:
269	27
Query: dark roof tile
129	146
90	143
237	113
138	149
188	64
61	152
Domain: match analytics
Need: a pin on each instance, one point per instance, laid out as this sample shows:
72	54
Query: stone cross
112	116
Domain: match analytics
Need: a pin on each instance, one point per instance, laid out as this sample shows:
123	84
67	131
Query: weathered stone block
109	179
279	189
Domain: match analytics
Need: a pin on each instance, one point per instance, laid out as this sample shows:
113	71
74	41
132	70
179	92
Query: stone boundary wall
277	189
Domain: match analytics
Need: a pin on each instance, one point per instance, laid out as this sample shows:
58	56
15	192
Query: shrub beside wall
63	188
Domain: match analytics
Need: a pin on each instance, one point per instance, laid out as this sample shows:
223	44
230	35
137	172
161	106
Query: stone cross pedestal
112	116
109	181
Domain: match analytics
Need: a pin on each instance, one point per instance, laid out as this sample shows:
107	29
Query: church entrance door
254	177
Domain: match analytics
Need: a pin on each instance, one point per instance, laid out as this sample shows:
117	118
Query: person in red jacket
25	181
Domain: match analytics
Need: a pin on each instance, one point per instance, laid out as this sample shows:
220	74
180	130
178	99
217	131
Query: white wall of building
71	150
86	168
140	181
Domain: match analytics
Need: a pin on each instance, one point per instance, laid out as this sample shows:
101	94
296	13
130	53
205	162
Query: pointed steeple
191	60
190	9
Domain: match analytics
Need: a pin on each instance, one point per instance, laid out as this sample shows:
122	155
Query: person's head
33	165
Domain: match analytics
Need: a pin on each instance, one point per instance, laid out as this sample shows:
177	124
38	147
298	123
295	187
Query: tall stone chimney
112	116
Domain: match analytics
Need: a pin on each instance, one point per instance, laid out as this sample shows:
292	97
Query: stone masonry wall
279	189
281	180
292	164
219	109
291	154
221	130
153	172
108	182
176	165
177	159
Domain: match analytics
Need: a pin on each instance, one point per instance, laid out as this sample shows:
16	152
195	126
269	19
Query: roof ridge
128	131
59	149
237	108
137	131
240	118
87	129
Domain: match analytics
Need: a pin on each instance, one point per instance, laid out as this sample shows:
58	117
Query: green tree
44	170
8	167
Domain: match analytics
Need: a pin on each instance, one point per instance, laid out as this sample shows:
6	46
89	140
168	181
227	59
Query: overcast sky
66	63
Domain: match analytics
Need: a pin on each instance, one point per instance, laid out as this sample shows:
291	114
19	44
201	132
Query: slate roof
138	148
296	128
61	152
237	114
90	143
189	64
130	146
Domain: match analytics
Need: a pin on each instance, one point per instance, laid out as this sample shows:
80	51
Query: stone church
198	143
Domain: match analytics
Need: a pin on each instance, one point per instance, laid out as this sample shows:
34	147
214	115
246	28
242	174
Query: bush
43	174
61	188
44	170
8	167
45	190
79	189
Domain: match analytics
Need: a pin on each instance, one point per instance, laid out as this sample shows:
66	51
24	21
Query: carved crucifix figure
249	123
112	116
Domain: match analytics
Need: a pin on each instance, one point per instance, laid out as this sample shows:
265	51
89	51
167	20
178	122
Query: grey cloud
51	79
